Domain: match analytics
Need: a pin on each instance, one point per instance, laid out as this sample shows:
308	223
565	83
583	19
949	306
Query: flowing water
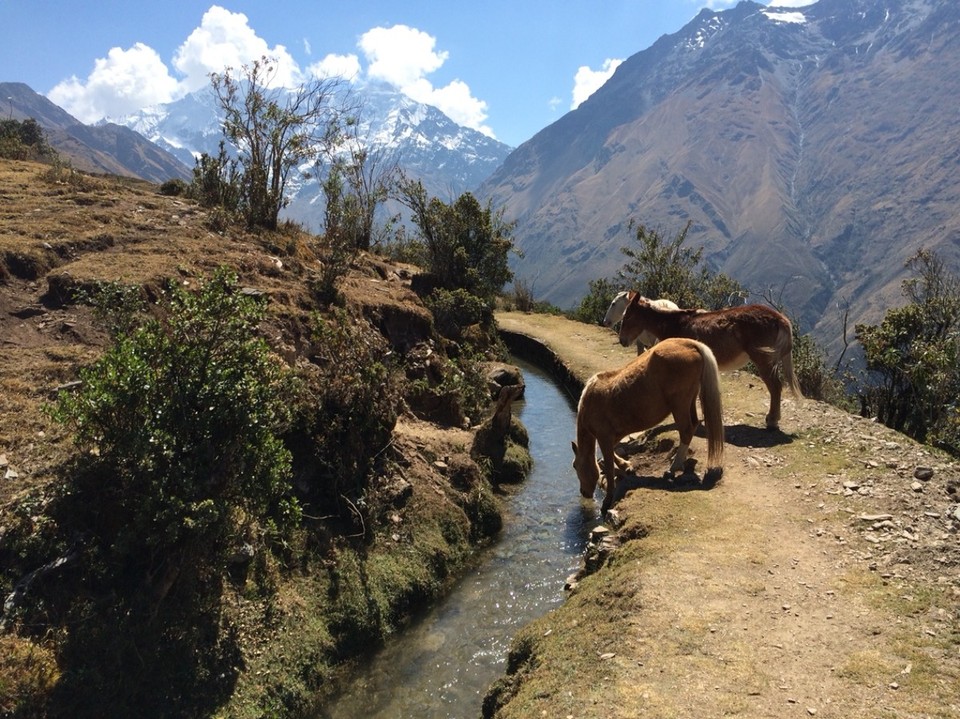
443	665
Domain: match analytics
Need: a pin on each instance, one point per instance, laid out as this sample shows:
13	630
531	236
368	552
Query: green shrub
912	357
816	381
593	306
466	244
180	422
217	182
174	187
347	414
455	310
24	140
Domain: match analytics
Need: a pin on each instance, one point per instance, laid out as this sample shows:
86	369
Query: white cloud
400	55
403	56
126	81
225	39
588	81
123	82
129	80
345	66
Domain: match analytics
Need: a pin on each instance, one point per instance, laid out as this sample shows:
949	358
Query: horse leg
686	428
609	471
623	466
768	373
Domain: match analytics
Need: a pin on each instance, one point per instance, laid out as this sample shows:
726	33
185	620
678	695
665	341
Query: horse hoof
712	476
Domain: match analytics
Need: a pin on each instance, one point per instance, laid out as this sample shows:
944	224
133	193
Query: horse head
616	308
588	471
631	324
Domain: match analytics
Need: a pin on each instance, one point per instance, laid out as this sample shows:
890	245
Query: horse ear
574	445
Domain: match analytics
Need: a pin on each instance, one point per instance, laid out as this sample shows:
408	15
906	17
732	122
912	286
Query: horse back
643	392
735	333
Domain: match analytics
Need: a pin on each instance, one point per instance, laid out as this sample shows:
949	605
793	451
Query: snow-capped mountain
426	144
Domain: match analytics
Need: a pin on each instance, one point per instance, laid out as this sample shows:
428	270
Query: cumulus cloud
344	66
588	81
122	82
403	56
126	81
225	39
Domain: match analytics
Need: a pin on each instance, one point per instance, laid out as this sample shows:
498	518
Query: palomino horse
736	335
615	314
664	380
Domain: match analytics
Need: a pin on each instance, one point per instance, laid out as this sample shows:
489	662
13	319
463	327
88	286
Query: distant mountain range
449	159
106	148
815	150
162	142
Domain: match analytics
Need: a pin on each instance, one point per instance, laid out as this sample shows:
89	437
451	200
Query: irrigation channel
443	665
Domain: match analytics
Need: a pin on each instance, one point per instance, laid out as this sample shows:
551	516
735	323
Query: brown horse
615	314
736	335
664	380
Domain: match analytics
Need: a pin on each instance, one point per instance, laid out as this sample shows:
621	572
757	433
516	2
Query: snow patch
790	17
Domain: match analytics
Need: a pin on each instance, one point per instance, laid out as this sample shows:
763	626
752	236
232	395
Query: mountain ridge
448	158
106	148
809	156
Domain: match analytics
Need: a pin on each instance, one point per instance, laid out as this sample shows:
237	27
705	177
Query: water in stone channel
442	666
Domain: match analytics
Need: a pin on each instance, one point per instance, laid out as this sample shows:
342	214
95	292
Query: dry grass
63	232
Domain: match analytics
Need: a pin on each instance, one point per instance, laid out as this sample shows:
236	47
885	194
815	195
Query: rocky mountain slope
108	148
812	150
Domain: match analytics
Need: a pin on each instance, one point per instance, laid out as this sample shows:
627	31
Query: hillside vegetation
220	483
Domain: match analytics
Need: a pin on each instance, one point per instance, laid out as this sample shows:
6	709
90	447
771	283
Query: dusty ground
821	577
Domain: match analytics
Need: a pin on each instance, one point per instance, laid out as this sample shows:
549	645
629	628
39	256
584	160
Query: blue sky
508	67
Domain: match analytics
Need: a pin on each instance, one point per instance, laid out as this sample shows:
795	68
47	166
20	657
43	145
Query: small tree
661	269
913	357
217	181
467	244
274	131
356	184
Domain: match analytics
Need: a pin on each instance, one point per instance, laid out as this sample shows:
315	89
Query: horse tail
785	358
712	406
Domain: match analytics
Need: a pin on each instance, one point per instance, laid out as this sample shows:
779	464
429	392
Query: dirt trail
821	577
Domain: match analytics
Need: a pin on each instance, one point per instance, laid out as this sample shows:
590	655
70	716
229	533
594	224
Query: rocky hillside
300	611
810	149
